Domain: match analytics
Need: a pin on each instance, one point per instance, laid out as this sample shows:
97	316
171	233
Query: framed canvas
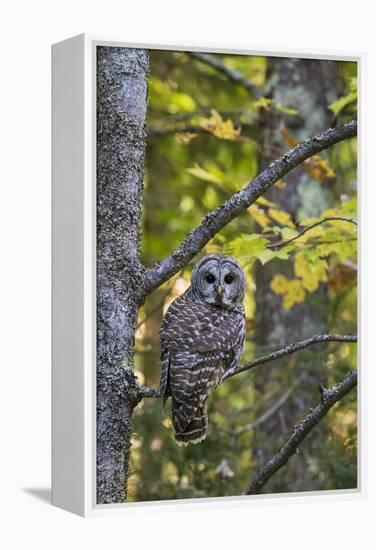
205	275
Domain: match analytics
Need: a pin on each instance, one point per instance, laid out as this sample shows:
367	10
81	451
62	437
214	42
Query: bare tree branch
336	241
224	214
329	397
181	122
157	131
281	244
145	391
231	74
292	348
183	116
178	123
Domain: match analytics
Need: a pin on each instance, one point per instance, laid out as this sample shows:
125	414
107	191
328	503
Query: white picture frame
74	280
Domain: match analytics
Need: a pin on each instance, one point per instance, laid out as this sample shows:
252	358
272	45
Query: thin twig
214	62
336	241
292	348
280	244
224	214
329	397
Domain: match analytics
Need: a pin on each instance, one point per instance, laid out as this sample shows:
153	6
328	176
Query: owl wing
192	377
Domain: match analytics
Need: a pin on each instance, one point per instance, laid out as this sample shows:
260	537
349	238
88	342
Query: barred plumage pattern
199	342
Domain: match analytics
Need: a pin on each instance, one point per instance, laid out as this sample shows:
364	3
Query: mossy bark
121	110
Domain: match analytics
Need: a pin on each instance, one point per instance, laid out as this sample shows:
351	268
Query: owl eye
210	278
228	279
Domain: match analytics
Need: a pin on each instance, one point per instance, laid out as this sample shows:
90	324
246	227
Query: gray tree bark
121	110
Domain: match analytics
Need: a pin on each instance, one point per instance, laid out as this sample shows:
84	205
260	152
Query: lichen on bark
121	110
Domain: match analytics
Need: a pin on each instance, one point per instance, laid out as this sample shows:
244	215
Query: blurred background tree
214	121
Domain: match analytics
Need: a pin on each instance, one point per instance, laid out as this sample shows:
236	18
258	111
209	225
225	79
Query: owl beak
220	290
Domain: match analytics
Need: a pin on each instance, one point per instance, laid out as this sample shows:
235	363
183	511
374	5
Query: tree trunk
309	86
121	109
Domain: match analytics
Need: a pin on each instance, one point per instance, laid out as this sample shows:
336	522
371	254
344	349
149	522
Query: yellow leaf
330	212
264	202
299	294
220	128
262	103
184	138
167	423
258	214
212	248
289	139
311	274
292	290
295	291
300	265
310	283
287	302
281	217
295	294
250	306
279	284
317	167
203	174
280	184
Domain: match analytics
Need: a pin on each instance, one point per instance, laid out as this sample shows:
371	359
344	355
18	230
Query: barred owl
202	335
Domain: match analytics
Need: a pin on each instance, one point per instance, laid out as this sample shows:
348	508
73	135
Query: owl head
218	280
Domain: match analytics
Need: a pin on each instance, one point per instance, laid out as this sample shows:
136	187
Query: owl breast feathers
199	342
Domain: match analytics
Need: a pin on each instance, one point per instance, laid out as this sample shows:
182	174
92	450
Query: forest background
214	122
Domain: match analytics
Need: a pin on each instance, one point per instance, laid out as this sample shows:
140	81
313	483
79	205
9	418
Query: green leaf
283	253
250	247
337	106
262	201
349	208
164	95
265	256
288	233
262	103
287	110
202	174
282	217
247	246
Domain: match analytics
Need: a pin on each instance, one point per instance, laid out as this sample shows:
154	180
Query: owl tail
192	432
